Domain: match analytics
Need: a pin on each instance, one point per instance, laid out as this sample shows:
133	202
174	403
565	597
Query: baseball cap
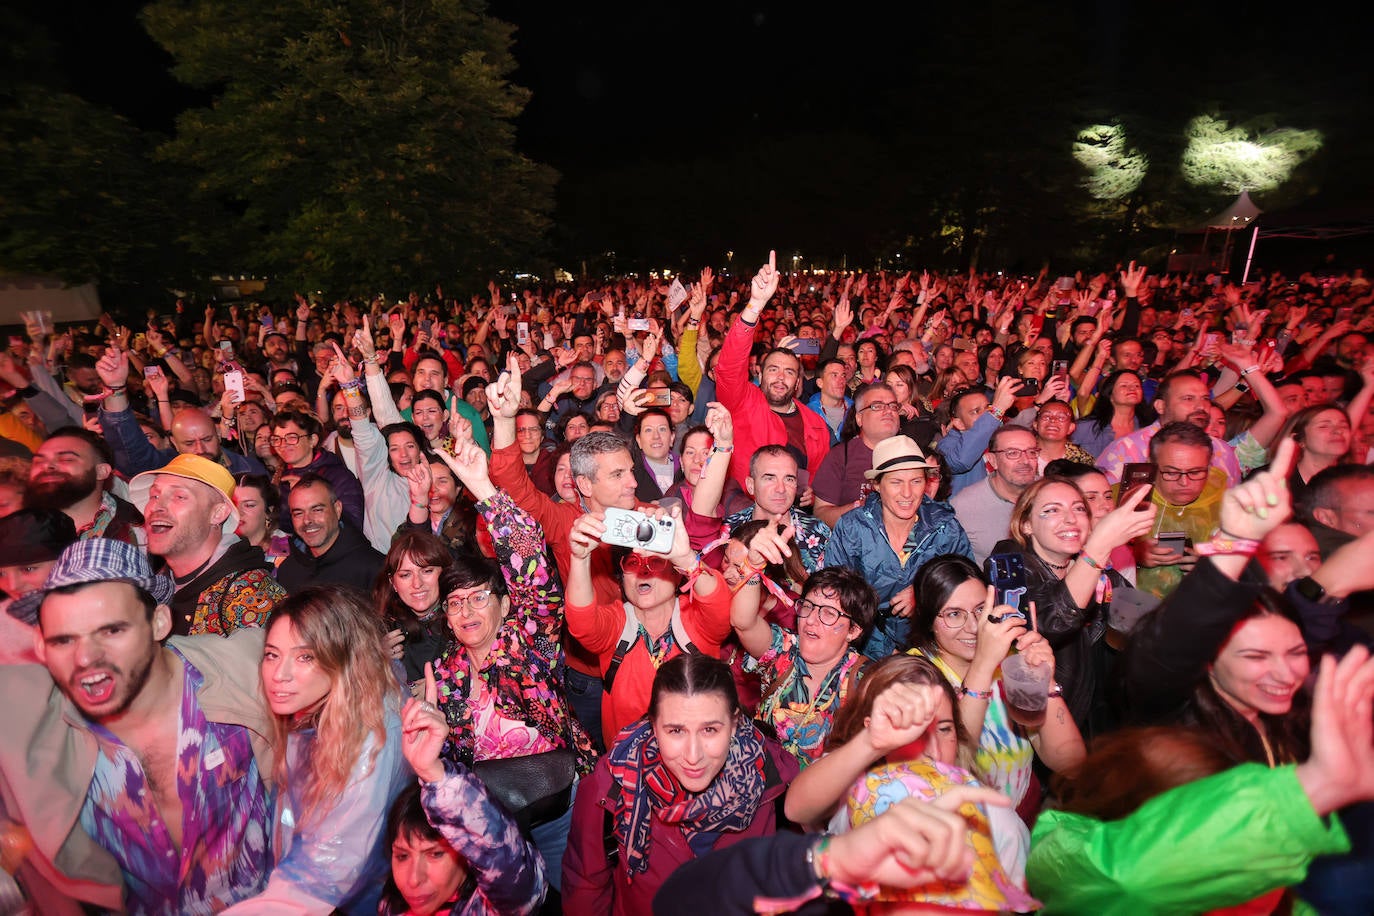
190	467
96	560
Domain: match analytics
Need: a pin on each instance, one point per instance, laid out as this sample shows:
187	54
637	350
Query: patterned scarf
650	791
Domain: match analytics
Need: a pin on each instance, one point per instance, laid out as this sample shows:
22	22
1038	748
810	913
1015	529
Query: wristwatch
1312	590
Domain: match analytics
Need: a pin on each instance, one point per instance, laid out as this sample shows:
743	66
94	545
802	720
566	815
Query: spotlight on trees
1114	169
1242	158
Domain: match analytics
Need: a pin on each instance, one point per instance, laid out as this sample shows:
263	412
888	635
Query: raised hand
341	368
585	536
1131	279
765	282
720	424
912	842
1340	769
113	368
363	342
1260	504
770	545
469	465
901	714
159	383
423	731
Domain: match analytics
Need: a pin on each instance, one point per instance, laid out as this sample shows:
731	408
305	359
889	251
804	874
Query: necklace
1056	566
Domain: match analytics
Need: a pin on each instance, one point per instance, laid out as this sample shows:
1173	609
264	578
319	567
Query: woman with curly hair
337	729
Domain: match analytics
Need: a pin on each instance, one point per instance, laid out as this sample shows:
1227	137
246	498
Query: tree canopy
352	144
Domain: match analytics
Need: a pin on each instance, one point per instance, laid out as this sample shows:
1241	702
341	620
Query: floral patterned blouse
524	669
801	722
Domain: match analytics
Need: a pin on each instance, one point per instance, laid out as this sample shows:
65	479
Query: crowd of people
794	592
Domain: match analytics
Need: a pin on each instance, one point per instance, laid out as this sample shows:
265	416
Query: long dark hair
1288	734
1101	417
935	582
424	549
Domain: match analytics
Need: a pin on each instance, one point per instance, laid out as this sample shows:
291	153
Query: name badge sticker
214	758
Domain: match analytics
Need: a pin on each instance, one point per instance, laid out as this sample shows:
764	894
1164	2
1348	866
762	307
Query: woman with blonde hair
336	707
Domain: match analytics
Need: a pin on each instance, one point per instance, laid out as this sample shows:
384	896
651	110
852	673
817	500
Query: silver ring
428	706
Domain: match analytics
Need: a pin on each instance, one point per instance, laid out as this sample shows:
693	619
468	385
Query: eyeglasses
288	439
477	601
957	619
1191	473
1016	454
882	406
577	379
645	566
829	614
528	431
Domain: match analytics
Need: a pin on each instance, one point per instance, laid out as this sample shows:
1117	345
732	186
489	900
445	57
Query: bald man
193	430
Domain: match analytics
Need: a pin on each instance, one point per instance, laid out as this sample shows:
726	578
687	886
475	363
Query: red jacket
755	422
592	887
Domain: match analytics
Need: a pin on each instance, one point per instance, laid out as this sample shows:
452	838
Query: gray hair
582	457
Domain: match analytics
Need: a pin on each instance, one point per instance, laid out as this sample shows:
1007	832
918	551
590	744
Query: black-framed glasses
1193	474
881	407
288	439
1016	454
829	614
477	601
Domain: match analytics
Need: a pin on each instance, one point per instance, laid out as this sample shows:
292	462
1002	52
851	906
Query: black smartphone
1007	573
807	347
1134	476
1175	541
1030	387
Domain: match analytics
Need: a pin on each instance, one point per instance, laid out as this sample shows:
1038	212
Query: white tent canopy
1240	215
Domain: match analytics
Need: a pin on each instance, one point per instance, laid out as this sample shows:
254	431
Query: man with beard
222	582
153	794
327	550
70	473
1184	397
773	415
340	441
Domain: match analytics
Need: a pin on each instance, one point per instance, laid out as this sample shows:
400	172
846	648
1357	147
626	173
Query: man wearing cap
71	472
222	581
31	540
193	431
138	771
888	538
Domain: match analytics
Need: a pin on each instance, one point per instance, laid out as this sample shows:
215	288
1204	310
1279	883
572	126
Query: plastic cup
1026	688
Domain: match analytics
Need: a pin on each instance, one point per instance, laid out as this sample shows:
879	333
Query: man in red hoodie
770	415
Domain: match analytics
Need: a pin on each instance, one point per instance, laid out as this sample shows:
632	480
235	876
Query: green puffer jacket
1218	842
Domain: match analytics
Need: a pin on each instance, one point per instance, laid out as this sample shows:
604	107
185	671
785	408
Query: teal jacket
1217	842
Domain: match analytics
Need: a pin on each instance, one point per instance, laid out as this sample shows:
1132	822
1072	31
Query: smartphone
1060	367
233	383
1343	314
629	528
807	347
522	332
1030	387
1134	476
1007	574
1175	541
1213	339
1037	324
425	325
638	324
1187	313
152	372
661	399
510	310
265	319
226	345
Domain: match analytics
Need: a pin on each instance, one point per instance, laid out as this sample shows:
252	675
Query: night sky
618	84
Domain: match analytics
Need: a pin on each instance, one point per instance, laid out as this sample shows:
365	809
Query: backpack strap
608	843
629	635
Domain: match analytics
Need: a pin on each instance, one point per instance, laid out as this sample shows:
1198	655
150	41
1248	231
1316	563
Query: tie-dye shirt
223	854
802	722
